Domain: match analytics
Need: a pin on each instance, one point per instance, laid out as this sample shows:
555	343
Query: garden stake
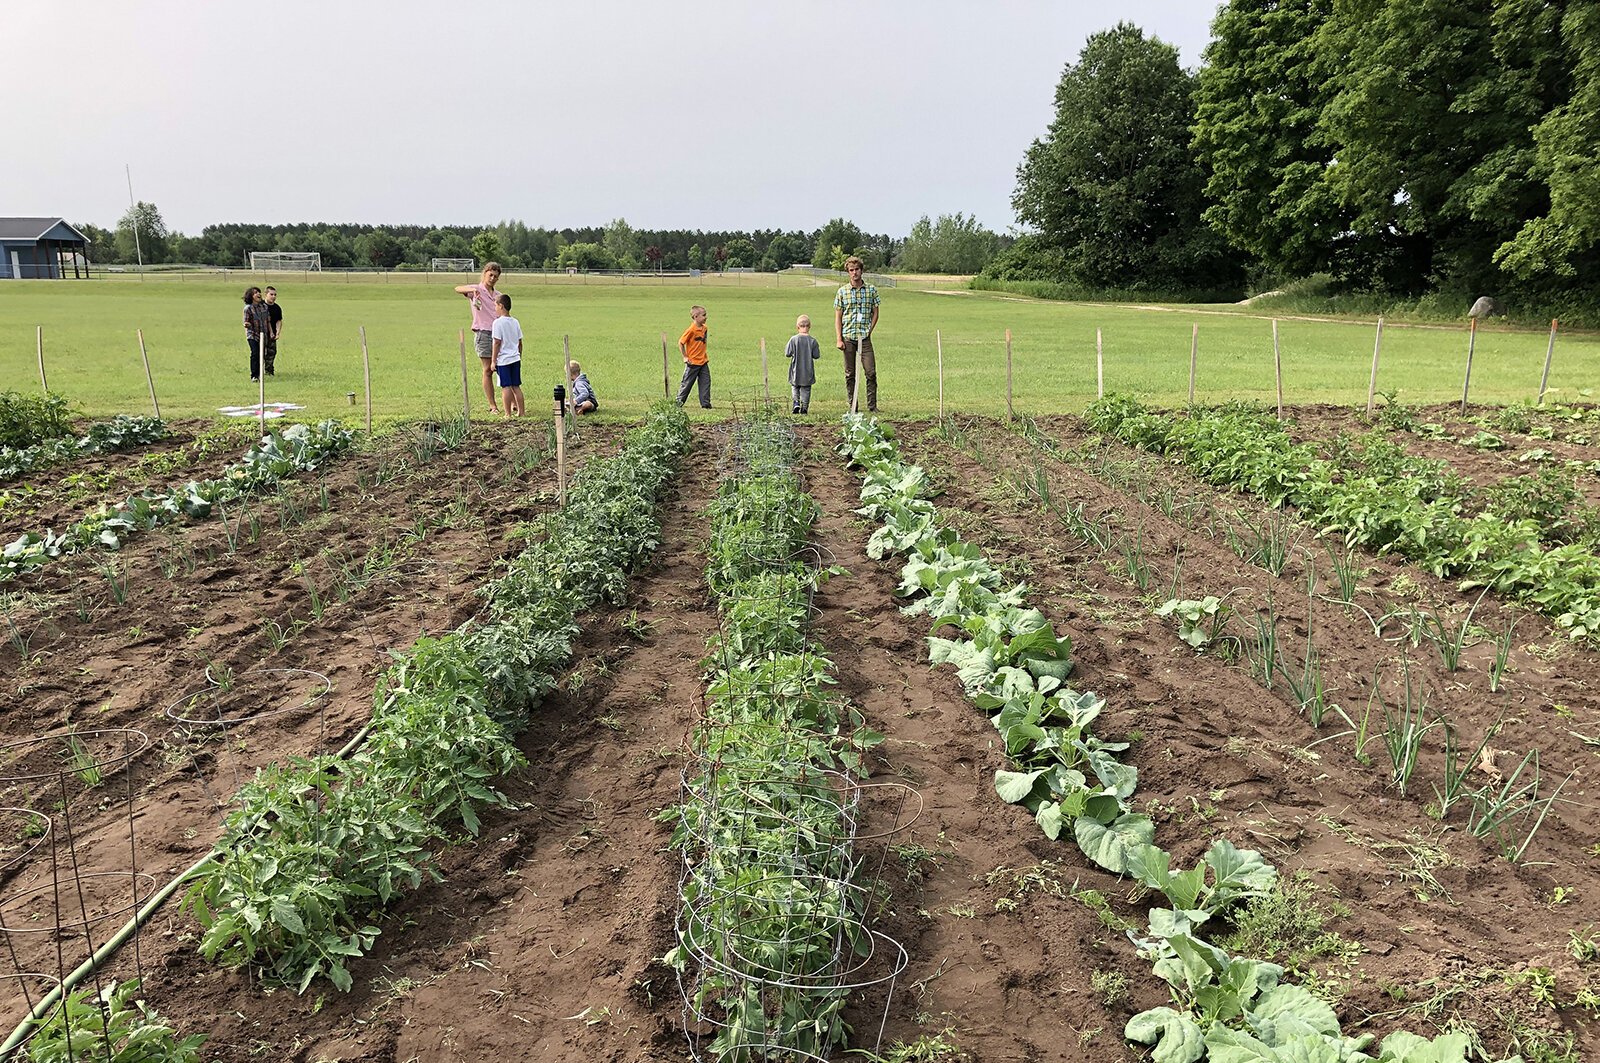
466	396
1099	366
261	381
366	375
666	387
1372	381
1277	366
938	343
148	379
42	381
561	442
1544	380
1010	414
1472	341
766	387
1194	354
566	367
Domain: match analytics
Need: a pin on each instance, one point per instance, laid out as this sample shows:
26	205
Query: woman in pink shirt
484	299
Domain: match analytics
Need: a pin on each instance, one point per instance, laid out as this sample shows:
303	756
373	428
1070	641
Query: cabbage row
122	432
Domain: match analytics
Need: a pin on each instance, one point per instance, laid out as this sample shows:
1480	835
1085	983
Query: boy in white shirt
507	333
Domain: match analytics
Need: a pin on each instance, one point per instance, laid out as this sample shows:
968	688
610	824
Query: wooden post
42	381
466	396
1010	413
1277	366
766	387
366	376
1194	354
1466	383
148	379
261	380
855	392
566	367
561	445
1099	365
666	375
1550	350
1372	381
938	342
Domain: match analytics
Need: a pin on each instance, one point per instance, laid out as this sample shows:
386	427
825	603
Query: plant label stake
560	396
1472	343
766	388
1010	413
366	375
938	343
1544	380
466	396
1194	354
1099	365
1277	366
1372	381
42	381
148	379
666	375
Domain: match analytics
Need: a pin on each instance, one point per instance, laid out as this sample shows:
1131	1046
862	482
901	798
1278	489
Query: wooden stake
855	392
566	367
1194	354
366	375
1466	384
1372	381
561	449
42	381
766	387
148	379
261	379
466	396
1010	413
1550	350
1277	366
938	342
1099	365
666	375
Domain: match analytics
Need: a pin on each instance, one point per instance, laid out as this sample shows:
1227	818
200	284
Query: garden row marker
566	367
561	442
1194	353
42	381
1009	412
148	379
466	396
1472	341
938	342
366	376
666	388
855	388
1372	381
1548	351
1099	366
765	386
261	379
1277	366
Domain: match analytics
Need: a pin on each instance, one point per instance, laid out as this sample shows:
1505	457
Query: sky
722	114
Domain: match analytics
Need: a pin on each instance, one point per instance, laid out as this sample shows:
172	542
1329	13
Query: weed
1289	925
1111	985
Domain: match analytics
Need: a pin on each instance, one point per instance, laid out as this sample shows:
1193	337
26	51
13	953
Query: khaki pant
869	369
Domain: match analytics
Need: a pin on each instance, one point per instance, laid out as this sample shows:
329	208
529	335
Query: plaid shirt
858	305
256	321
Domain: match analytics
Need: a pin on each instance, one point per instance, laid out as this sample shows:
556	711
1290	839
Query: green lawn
192	328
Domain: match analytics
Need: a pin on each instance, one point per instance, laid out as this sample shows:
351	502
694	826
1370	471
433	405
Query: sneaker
255	379
797	410
271	373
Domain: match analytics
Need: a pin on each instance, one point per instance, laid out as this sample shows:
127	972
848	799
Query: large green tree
150	243
839	234
1113	187
1258	98
955	243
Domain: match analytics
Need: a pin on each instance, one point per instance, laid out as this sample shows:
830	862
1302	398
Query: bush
26	421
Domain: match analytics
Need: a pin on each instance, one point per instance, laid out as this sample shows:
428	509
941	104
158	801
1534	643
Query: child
802	352
695	367
580	393
507	353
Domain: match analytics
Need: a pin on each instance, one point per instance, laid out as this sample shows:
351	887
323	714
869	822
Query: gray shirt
802	353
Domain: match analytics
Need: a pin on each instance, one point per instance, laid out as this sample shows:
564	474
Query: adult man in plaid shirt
855	315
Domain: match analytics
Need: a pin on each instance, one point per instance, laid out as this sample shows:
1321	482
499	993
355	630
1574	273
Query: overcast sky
694	115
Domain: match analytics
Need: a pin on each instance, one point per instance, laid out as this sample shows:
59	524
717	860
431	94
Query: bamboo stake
1550	350
938	342
766	386
1099	365
1277	366
1194	354
1372	381
1466	384
666	376
148	379
466	396
366	376
42	381
1010	413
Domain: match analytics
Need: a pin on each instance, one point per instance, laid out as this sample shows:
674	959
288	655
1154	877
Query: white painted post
1099	365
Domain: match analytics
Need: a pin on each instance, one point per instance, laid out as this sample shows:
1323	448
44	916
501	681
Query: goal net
452	265
270	261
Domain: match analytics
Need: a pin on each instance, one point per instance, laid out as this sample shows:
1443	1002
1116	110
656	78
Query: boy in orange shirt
693	346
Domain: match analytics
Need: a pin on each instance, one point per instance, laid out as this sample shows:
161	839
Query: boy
802	352
695	367
506	335
580	393
482	296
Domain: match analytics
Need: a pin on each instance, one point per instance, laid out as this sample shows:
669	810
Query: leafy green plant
116	1027
1199	622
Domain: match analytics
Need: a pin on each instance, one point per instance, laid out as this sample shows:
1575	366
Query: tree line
1390	146
952	243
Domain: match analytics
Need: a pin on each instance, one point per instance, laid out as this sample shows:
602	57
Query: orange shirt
693	342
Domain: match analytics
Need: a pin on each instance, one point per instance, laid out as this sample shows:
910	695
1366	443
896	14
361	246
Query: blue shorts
510	375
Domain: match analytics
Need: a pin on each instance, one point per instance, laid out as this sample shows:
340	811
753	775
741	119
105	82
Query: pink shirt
483	304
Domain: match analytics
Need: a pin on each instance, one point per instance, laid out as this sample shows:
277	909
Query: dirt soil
543	939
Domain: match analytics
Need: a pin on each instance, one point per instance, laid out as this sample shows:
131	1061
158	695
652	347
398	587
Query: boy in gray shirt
802	352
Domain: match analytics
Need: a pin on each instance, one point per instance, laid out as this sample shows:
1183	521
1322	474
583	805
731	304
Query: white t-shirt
509	332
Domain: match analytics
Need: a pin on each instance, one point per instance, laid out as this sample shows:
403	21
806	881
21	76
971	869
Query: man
269	341
855	315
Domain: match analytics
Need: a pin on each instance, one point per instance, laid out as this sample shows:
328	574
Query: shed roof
32	228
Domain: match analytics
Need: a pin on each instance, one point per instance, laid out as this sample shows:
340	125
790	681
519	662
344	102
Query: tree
953	244
586	256
652	256
102	243
837	233
696	256
784	250
486	247
1113	184
1257	101
740	253
151	242
623	244
378	247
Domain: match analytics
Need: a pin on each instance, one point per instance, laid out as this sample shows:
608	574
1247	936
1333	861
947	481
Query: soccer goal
284	261
452	265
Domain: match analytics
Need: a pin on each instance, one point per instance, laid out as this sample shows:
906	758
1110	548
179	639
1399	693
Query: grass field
192	329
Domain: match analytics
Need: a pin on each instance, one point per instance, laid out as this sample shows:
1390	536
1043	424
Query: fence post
1372	381
148	378
1549	350
1466	383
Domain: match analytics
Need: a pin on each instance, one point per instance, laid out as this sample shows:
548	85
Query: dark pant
269	353
255	355
869	368
691	373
